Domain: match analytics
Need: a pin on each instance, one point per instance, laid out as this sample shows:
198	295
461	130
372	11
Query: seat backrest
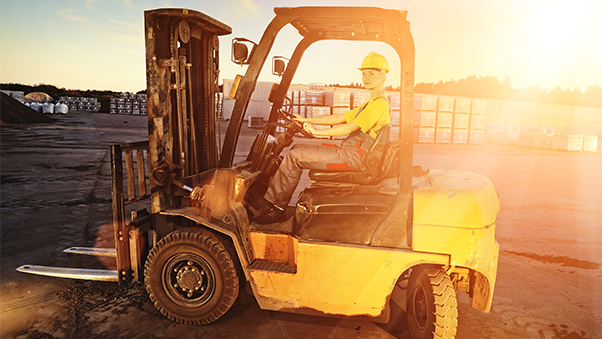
372	166
371	169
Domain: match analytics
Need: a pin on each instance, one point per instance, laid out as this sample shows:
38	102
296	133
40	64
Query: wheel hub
420	308
189	280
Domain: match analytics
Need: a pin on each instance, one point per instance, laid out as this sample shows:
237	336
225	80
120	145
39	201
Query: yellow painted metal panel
459	199
338	279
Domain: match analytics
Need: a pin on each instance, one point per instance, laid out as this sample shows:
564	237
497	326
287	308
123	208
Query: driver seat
371	169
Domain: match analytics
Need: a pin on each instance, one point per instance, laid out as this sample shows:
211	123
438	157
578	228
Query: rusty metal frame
119	201
182	81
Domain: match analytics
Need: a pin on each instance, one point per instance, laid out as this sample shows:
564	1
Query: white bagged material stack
568	142
543	138
590	143
513	134
61	108
36	107
48	108
525	139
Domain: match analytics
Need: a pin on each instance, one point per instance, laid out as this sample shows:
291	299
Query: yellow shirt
373	117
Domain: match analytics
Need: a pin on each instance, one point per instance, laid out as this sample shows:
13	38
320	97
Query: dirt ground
55	193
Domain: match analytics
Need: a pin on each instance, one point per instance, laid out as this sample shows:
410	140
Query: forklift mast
182	67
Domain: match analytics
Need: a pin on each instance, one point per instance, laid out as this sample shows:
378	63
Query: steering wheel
294	124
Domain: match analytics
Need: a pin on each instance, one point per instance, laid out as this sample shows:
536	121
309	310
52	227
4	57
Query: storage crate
461	120
425	102
426	118
426	135
462	105
476	137
479	106
445	104
443	135
477	121
460	136
256	122
444	119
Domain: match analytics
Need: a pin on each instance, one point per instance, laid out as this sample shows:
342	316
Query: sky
99	44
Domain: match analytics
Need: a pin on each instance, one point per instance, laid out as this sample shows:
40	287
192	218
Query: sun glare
553	26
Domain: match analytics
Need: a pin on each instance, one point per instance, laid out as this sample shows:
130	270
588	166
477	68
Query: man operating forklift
361	124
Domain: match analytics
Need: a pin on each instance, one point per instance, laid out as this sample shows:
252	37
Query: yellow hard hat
375	60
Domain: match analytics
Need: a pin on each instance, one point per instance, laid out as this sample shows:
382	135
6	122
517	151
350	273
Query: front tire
190	277
432	305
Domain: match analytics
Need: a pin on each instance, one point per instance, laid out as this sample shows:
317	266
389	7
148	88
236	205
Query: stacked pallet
568	142
84	104
337	98
425	118
445	117
316	112
478	110
461	120
395	106
128	103
313	97
360	96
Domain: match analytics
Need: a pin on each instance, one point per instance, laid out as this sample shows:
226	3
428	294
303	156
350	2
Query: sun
552	26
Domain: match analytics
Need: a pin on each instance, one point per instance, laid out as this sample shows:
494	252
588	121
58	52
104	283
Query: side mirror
279	65
240	50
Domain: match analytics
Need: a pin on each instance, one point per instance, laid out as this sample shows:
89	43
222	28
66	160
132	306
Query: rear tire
431	304
190	277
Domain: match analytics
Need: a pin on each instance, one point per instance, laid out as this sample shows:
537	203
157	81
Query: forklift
355	243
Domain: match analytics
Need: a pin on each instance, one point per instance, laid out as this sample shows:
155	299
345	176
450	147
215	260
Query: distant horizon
328	84
95	44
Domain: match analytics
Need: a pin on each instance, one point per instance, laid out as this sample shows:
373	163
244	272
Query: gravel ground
55	193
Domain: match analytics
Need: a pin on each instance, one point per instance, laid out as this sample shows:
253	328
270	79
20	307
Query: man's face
372	78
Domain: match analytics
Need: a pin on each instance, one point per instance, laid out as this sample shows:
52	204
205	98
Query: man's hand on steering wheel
295	122
309	128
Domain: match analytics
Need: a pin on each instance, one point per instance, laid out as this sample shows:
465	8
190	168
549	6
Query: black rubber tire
431	304
190	277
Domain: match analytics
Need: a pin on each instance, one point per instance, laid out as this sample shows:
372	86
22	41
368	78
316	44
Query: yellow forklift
353	242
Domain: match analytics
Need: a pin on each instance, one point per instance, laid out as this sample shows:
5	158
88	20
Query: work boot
271	215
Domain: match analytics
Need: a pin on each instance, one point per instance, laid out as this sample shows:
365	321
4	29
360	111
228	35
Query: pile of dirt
14	112
39	97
